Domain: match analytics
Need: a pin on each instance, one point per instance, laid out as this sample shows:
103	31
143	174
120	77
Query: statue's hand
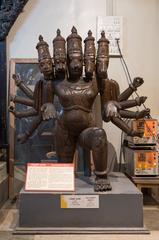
11	98
48	111
137	82
143	113
111	110
17	79
140	100
11	109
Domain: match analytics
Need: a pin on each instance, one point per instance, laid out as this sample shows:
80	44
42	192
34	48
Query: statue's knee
99	139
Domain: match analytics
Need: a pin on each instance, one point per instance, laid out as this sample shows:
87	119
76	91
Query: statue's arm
109	92
22	114
132	103
29	93
134	115
21	100
137	82
23	137
48	109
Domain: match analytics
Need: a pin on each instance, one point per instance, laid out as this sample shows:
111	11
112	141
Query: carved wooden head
102	56
59	54
44	57
74	54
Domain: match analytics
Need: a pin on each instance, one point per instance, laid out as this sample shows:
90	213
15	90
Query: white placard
50	177
79	201
112	25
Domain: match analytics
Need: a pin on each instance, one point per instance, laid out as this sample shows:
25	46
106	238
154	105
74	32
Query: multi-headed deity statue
77	92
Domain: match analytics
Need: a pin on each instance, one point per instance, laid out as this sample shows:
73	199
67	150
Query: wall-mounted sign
112	25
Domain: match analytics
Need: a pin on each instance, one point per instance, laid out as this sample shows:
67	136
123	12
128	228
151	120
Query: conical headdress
89	49
74	42
43	49
59	45
103	46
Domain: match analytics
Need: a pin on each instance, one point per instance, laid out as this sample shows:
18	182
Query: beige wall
141	52
140	38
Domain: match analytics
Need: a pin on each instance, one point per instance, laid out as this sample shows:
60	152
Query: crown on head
103	46
43	49
59	48
89	49
74	42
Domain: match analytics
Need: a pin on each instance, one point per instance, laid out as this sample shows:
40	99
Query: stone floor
9	217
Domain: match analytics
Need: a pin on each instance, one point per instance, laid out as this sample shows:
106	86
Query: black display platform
120	210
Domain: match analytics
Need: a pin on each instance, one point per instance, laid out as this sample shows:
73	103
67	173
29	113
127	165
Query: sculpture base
119	210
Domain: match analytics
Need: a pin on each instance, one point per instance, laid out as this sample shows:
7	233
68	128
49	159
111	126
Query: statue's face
102	65
60	64
89	62
46	66
75	65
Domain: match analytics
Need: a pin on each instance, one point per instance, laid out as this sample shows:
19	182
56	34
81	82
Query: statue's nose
60	65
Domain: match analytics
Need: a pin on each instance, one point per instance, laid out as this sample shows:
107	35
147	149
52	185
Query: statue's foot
102	185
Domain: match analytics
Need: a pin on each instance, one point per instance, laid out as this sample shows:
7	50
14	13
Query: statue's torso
77	100
80	94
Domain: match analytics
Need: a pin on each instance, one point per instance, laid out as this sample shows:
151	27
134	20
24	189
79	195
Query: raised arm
23	86
137	82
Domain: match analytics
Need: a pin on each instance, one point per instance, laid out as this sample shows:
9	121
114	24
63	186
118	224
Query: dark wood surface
3	95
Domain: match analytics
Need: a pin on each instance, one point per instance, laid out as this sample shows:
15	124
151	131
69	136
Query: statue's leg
65	144
95	139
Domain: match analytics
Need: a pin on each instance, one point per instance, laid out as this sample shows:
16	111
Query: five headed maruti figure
76	93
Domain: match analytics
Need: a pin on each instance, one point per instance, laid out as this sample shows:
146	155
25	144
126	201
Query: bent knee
99	138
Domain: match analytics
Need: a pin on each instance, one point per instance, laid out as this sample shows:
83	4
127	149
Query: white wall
45	16
140	39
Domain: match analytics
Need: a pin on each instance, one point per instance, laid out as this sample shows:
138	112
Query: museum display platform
117	211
